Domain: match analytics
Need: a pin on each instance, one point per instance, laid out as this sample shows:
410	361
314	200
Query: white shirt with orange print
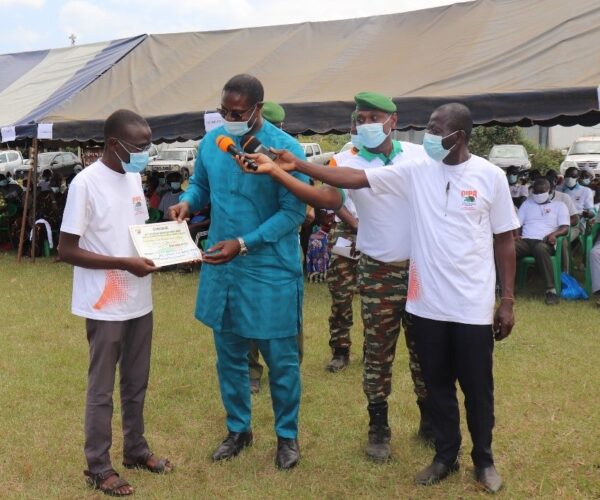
101	205
454	211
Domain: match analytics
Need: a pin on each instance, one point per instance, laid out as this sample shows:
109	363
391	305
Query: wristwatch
243	247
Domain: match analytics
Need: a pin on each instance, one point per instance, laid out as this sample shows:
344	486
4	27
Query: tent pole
32	154
34	169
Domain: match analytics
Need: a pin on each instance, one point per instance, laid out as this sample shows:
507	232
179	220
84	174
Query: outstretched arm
342	177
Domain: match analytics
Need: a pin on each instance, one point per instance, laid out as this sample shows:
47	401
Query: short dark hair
570	170
542	182
246	85
174	175
116	123
460	117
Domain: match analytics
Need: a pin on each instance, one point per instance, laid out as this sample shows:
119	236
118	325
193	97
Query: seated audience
542	222
595	267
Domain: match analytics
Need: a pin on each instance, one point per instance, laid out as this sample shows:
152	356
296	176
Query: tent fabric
512	61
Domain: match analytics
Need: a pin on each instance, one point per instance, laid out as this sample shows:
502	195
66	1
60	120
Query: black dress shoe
232	445
288	453
489	478
435	472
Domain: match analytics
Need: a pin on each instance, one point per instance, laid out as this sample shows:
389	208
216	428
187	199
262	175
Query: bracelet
512	299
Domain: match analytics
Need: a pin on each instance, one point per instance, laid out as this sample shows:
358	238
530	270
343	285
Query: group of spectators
51	198
549	207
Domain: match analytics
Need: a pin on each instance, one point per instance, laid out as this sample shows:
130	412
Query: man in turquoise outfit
251	285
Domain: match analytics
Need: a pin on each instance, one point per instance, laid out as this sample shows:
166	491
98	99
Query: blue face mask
137	161
175	186
355	140
585	182
3	183
371	135
512	179
239	128
434	148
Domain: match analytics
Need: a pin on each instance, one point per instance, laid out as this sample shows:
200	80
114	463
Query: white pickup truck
313	153
179	159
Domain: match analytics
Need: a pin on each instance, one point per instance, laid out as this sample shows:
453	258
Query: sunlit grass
547	438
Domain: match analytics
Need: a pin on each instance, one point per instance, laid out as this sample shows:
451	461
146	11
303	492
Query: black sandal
95	481
163	466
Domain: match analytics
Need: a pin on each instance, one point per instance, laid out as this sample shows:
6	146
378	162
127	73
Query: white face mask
570	182
540	198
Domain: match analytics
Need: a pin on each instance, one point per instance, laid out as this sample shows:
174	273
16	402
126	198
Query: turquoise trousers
281	356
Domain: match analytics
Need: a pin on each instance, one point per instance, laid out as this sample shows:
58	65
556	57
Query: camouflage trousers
341	281
383	287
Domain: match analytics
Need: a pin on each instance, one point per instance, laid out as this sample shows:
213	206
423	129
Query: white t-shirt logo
138	207
469	199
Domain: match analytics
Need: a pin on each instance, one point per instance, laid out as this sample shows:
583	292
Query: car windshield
45	158
508	152
585	148
173	155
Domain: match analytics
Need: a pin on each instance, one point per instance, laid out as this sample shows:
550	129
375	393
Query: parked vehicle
10	161
583	153
174	160
313	153
63	162
506	155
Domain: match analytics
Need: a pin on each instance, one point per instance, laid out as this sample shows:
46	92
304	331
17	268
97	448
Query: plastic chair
589	243
525	263
155	215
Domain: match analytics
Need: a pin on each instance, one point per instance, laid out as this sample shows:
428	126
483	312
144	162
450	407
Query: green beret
273	112
372	100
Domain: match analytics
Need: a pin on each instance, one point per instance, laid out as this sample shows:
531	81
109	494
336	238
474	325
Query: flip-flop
163	466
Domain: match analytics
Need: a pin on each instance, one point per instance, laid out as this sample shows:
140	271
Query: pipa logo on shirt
469	199
138	206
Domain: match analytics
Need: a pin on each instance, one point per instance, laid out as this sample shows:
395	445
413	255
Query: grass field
547	438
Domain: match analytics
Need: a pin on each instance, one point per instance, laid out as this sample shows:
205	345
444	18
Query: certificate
343	247
165	243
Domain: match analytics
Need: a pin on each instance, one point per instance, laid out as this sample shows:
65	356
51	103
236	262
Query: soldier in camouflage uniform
382	278
341	281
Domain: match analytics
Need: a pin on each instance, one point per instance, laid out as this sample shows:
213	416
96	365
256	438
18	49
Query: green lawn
547	440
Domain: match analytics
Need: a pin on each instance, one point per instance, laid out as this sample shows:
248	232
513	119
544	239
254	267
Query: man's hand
504	319
179	212
264	163
222	252
550	239
139	266
285	160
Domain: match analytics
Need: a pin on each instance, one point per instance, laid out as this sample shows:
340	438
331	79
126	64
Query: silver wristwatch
243	247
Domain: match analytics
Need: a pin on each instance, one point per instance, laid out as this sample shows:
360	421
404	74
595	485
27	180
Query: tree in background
483	138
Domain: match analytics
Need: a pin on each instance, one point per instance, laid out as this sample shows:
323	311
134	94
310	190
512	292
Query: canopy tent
512	61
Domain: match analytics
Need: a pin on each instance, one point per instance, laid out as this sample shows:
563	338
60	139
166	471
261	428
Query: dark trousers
127	343
449	352
542	252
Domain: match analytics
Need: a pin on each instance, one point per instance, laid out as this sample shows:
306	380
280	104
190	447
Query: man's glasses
235	115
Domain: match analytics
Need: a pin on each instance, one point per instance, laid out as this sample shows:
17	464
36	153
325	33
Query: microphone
227	145
252	145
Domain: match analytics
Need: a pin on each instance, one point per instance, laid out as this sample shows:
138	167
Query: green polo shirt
386	160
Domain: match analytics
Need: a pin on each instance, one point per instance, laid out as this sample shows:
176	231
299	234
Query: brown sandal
96	480
163	466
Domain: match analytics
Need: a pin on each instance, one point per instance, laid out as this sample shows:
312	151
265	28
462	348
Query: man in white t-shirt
542	221
112	290
461	216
